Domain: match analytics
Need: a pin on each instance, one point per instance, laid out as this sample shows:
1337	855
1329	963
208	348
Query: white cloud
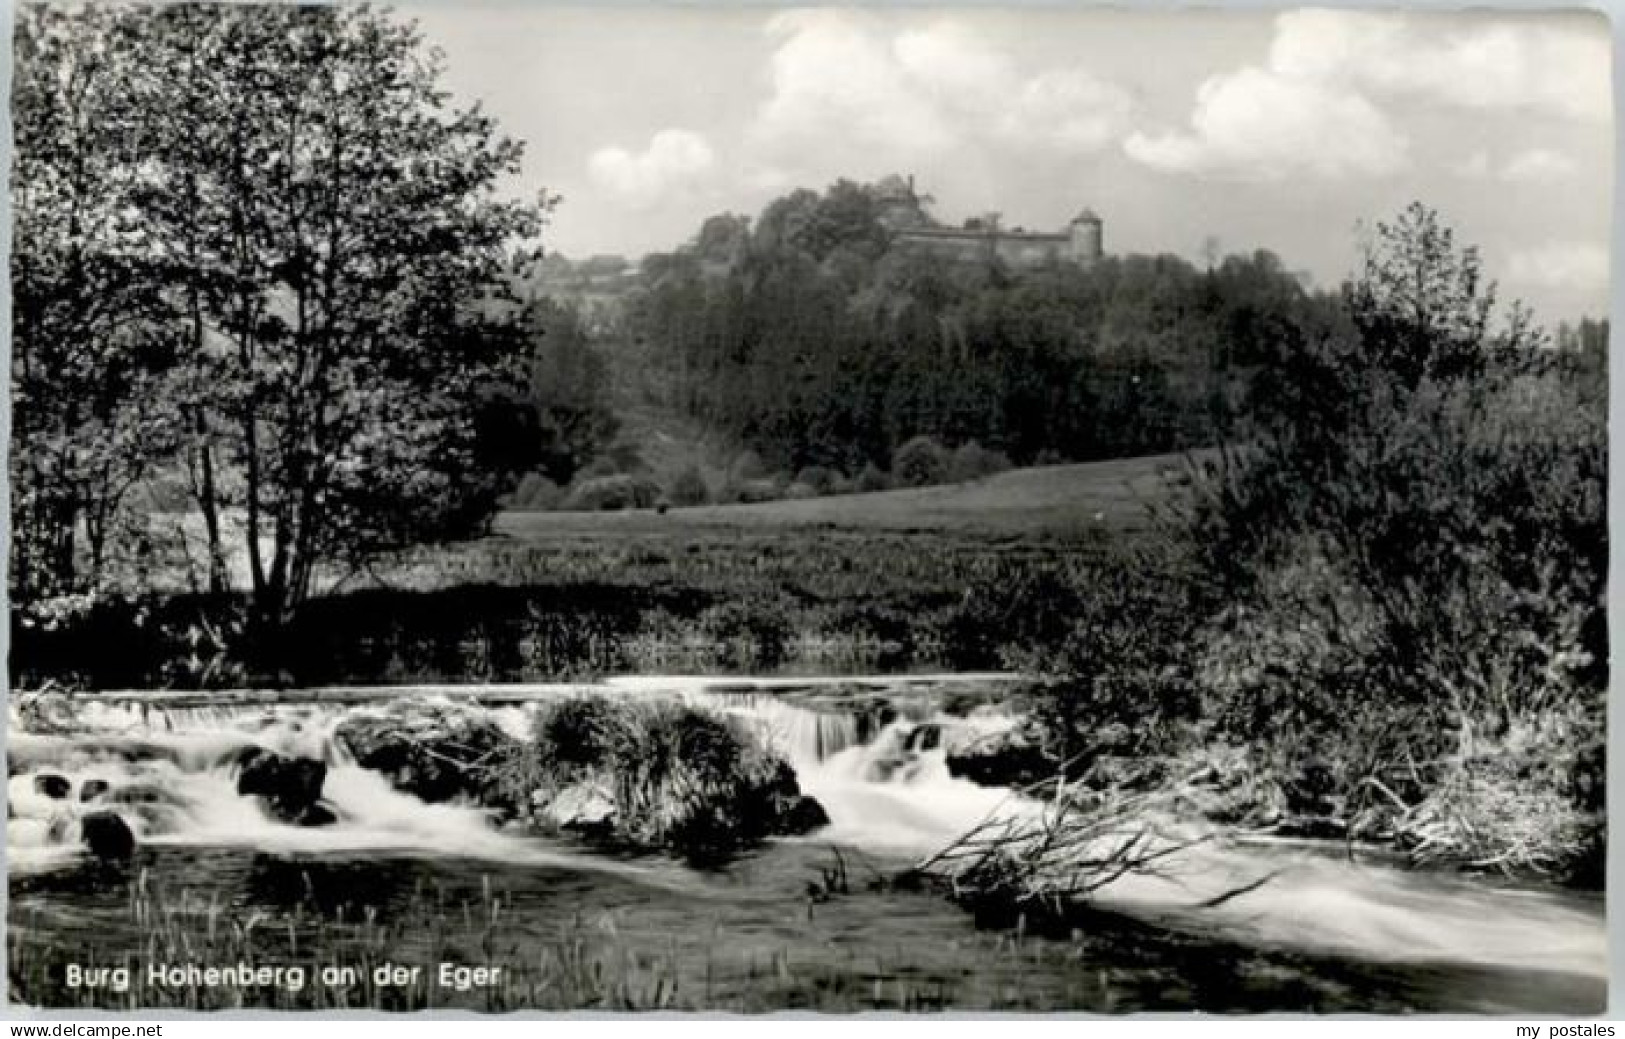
834	80
674	160
1530	166
1538	165
1475	167
1068	109
1565	266
1257	124
845	89
1317	104
1551	69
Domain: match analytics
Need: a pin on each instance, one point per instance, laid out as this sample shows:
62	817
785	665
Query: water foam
889	791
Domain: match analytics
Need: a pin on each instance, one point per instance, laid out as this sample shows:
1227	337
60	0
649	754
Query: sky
1185	130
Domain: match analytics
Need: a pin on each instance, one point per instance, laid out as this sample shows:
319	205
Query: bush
799	491
585	732
652	775
920	462
746	492
746	465
873	478
1412	554
972	461
536	491
611	493
817	478
1120	682
601	466
689	488
753	633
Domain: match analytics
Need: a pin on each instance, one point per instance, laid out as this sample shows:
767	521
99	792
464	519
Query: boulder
49	784
93	788
107	835
582	807
318	814
1013	758
435	752
1311	789
1312	827
288	787
803	816
777	807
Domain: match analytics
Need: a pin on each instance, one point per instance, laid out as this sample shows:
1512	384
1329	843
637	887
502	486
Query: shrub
610	493
536	491
920	462
1120	681
585	731
873	478
746	465
799	491
665	775
972	461
1412	553
601	466
1008	604
753	633
689	488
746	492
817	478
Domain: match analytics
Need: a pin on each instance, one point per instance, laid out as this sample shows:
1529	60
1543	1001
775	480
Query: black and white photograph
741	509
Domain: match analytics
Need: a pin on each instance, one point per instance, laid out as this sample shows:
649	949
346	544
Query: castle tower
1087	239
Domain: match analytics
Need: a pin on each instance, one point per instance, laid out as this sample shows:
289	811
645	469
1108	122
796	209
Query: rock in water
92	789
435	752
803	817
52	785
1013	758
316	815
107	835
582	807
289	787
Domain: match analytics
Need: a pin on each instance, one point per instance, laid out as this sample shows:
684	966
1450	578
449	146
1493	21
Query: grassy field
1060	500
959	577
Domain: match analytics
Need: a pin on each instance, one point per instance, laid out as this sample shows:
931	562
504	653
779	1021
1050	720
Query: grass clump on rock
653	775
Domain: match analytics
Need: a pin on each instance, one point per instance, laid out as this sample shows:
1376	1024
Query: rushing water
1323	933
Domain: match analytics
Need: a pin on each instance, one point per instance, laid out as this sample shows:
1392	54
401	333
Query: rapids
886	788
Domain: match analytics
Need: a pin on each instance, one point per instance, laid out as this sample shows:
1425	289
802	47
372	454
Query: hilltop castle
1080	242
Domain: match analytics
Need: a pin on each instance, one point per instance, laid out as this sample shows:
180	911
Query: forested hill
811	340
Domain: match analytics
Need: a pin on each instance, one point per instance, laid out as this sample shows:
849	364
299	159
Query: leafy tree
362	319
261	235
567	392
920	462
92	347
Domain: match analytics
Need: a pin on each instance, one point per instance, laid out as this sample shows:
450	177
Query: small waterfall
170	773
803	735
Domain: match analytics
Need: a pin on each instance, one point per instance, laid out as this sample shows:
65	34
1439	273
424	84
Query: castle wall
1021	249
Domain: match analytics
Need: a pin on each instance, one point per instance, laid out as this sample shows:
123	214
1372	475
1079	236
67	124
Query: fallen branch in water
1059	853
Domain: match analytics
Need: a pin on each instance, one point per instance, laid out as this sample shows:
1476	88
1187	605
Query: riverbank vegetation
1384	603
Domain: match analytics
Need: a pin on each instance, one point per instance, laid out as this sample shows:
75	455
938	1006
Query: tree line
814	339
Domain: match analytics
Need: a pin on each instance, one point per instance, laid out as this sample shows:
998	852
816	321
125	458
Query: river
769	930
